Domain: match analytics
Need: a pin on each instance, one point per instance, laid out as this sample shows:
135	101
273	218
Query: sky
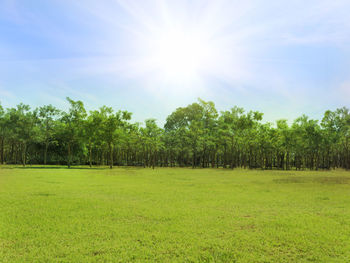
283	58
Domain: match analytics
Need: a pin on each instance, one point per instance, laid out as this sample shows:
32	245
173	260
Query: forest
193	136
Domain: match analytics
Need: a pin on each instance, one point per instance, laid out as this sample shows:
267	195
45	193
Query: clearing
55	214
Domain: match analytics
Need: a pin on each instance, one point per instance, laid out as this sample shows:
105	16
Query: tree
23	124
195	135
93	130
152	140
47	116
3	131
110	125
71	128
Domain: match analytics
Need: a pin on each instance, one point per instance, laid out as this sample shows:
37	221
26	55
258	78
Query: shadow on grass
53	167
66	168
321	180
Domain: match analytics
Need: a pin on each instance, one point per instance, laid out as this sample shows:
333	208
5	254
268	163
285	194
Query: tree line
193	136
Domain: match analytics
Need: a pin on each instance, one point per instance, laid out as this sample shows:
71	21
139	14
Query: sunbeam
182	49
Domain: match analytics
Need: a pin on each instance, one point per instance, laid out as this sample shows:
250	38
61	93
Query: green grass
173	215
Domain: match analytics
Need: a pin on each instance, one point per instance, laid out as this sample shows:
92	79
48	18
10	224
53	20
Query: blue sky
283	58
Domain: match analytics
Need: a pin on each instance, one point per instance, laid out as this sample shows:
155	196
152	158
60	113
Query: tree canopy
196	136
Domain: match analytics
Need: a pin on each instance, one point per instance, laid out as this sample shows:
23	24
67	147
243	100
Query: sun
172	50
180	54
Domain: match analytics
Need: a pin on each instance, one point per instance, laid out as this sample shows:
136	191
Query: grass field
173	215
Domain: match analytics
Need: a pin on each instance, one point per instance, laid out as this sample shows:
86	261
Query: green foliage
195	135
48	123
70	130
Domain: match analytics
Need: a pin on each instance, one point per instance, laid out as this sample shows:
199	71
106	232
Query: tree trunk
194	159
24	148
69	155
45	152
217	160
12	153
90	155
110	156
2	150
154	160
232	154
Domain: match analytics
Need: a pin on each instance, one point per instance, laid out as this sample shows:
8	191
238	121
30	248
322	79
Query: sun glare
180	54
184	51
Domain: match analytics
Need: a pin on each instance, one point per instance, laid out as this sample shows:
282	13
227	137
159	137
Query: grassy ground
173	215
